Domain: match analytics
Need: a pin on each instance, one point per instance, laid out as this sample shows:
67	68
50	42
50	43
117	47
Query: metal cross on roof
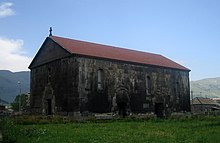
50	31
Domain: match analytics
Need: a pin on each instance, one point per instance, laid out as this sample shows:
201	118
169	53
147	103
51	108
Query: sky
185	31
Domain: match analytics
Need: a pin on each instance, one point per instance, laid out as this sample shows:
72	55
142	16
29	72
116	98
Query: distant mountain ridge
9	87
209	87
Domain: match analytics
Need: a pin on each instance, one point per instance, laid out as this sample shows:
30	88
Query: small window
177	88
100	79
177	92
148	86
49	75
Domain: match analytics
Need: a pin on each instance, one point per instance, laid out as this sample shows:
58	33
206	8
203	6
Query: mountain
3	102
209	87
9	87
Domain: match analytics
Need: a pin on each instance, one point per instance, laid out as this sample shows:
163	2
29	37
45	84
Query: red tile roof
110	52
205	101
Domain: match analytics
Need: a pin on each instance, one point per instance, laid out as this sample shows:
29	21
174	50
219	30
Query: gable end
48	52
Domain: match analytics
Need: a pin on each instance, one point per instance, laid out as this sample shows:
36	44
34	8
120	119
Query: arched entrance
122	101
48	101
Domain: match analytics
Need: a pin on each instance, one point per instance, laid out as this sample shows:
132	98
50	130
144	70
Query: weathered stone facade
72	84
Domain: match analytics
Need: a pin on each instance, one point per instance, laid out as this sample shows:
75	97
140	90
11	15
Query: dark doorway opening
49	107
159	110
121	109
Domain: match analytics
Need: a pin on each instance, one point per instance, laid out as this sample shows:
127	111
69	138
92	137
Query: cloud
5	9
12	55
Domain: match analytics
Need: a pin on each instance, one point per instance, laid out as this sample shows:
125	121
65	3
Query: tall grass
192	130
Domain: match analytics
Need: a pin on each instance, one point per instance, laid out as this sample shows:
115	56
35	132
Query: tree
23	99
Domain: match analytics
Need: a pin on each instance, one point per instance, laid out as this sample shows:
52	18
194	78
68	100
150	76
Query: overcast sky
186	31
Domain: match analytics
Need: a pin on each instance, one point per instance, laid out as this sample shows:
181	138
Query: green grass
200	130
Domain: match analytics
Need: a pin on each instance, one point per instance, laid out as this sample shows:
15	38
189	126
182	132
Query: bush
8	129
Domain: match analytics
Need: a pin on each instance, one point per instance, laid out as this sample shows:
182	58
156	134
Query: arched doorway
122	101
48	101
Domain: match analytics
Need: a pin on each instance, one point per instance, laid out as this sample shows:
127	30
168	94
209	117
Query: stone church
77	78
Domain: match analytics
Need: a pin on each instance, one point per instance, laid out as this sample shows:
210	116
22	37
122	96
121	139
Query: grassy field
199	130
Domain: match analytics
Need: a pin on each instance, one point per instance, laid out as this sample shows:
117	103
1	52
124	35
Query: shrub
8	129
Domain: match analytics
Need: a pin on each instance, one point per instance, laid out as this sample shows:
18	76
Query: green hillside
209	87
9	87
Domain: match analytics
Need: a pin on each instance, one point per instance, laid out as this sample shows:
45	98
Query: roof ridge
107	45
58	43
116	53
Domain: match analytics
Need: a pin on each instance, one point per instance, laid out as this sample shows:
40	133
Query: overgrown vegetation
57	129
23	102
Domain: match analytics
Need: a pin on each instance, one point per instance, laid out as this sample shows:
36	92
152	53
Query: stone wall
84	85
127	82
56	82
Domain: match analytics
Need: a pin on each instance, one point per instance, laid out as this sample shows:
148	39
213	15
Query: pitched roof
204	101
115	53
